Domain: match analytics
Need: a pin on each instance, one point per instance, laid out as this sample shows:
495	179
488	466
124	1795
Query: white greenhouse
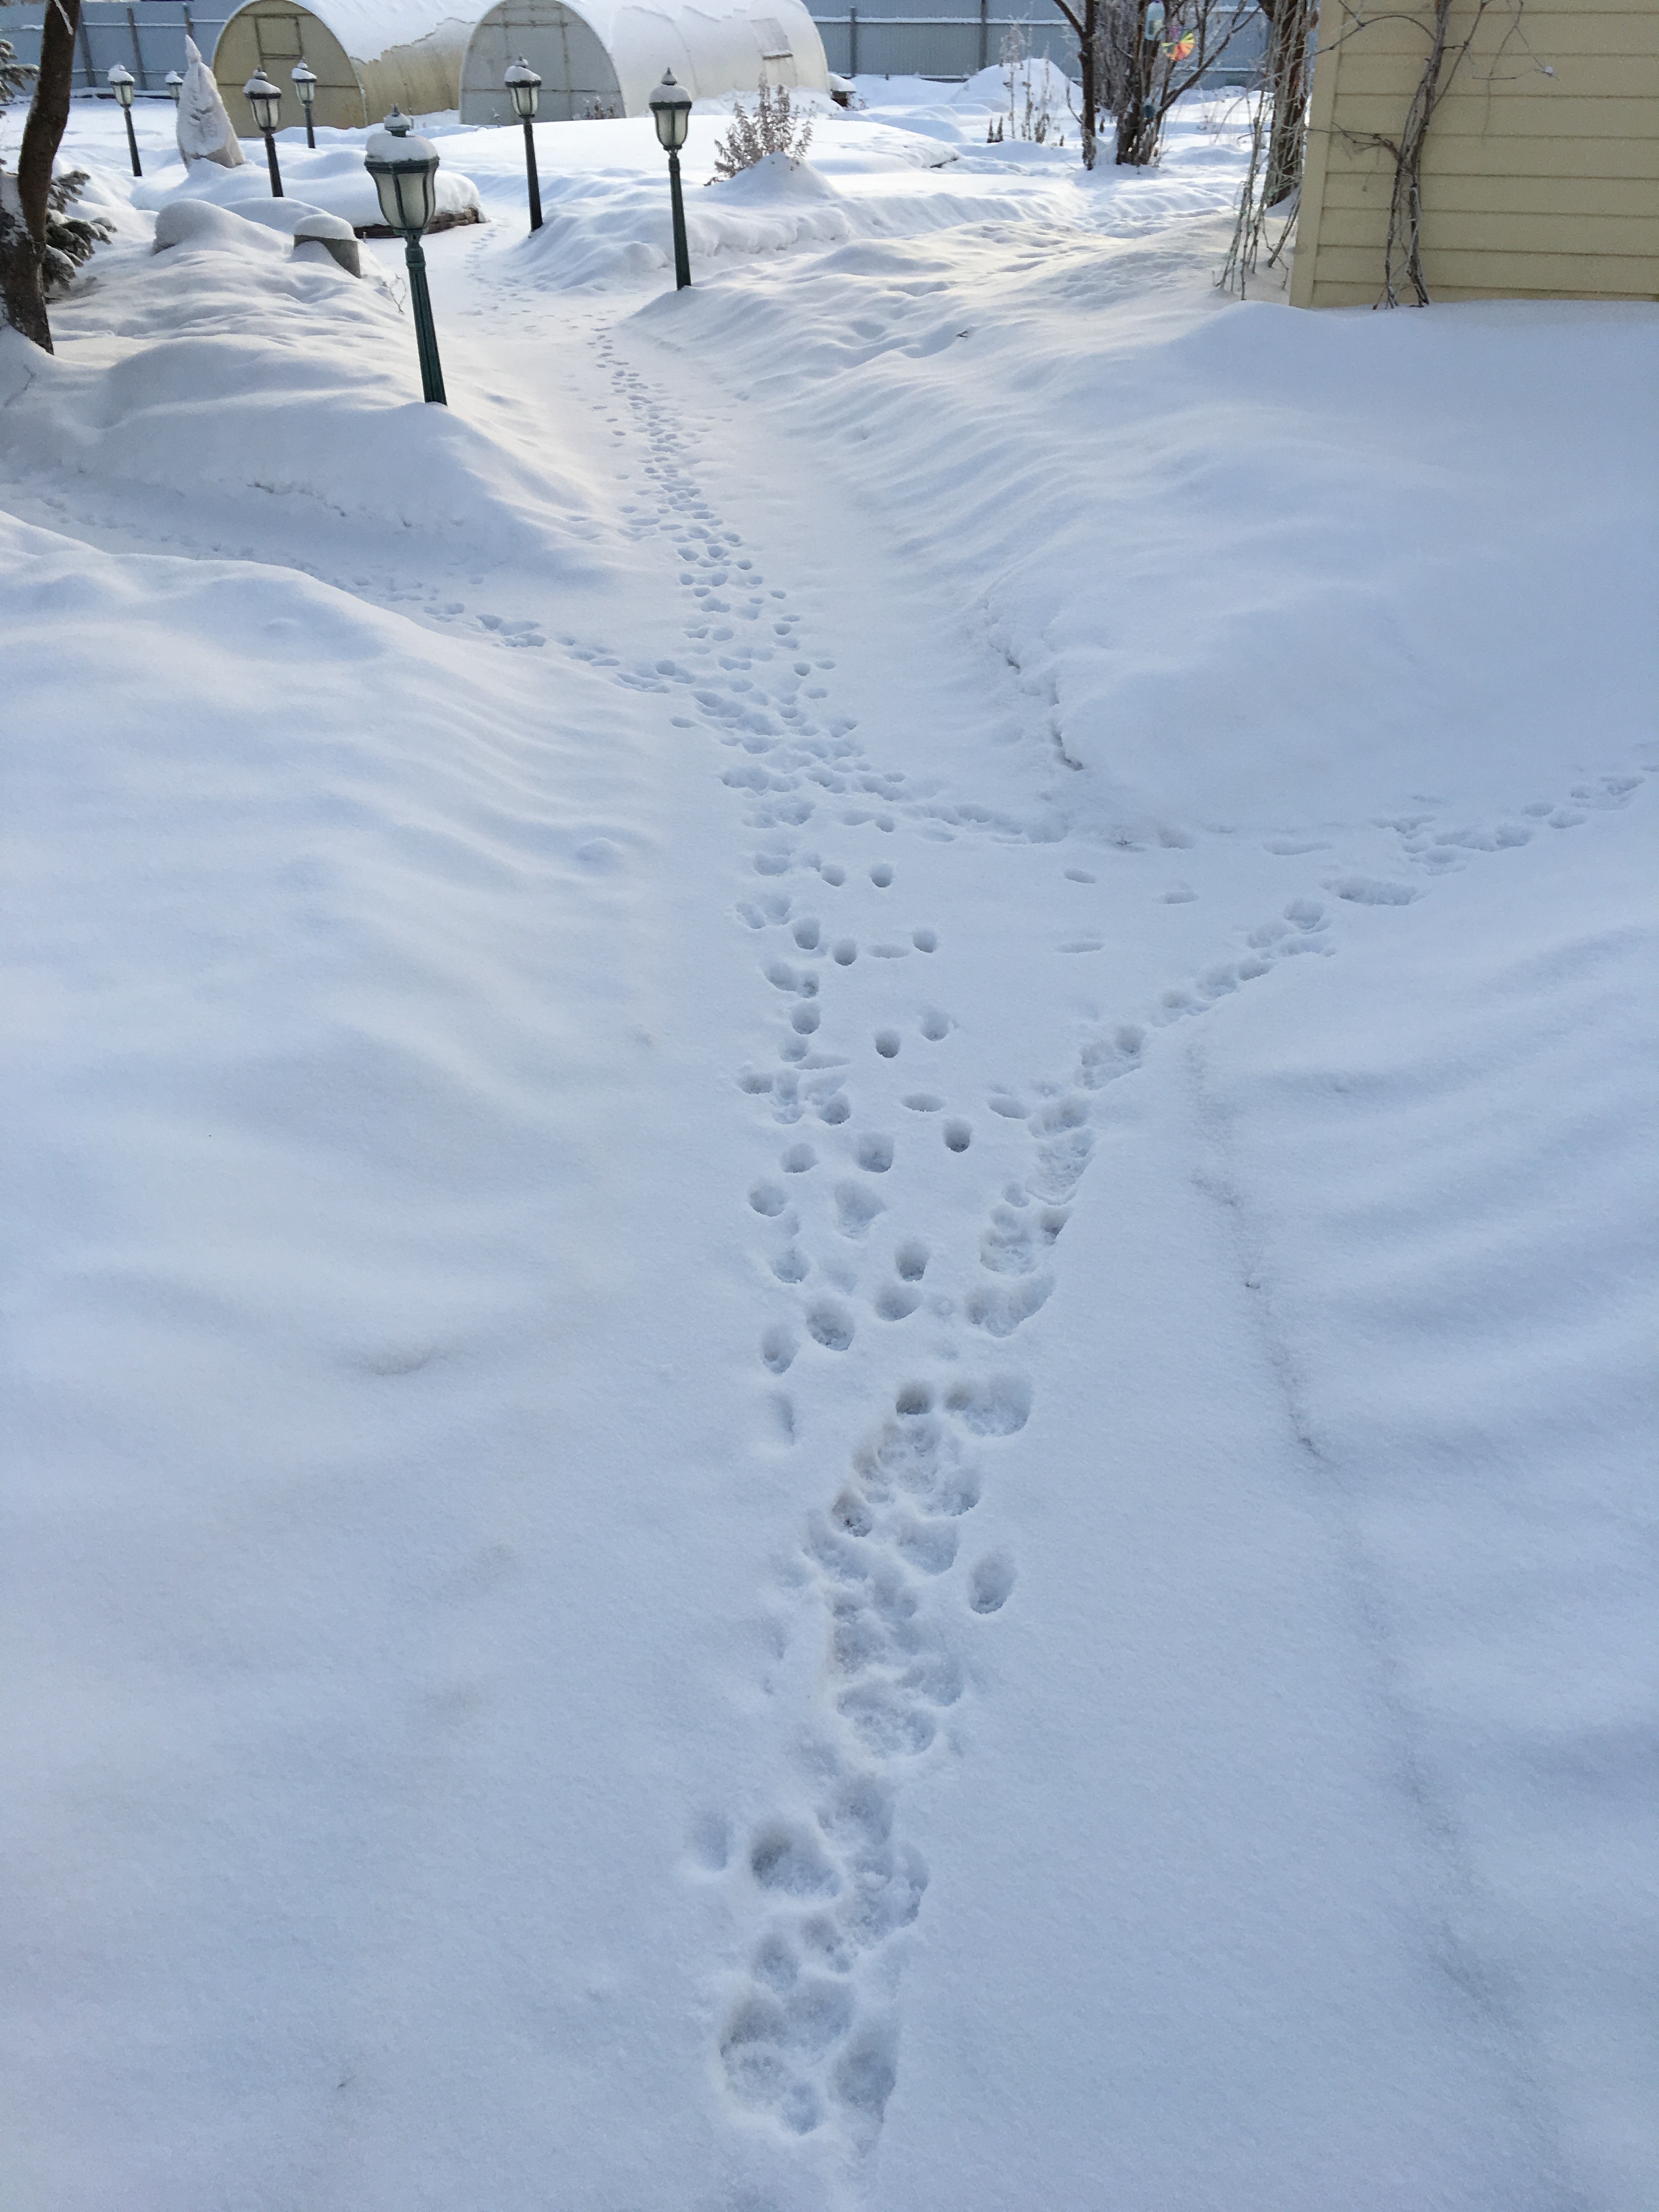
369	56
603	59
423	56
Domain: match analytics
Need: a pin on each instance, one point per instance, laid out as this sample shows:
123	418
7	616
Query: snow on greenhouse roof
369	28
713	47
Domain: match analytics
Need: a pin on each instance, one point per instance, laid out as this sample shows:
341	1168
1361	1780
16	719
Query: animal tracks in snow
894	1233
808	2037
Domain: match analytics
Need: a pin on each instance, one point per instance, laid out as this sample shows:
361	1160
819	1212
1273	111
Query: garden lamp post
121	84
671	111
305	83
525	87
266	102
175	83
403	169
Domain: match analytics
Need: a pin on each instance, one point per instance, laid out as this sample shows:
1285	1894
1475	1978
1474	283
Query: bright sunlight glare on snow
831	1161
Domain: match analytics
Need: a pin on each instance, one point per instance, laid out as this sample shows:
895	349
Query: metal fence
870	42
948	47
148	39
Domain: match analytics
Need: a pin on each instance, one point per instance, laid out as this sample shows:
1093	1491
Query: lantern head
525	87
404	170
265	99
671	111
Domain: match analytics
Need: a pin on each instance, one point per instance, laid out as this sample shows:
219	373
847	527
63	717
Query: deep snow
830	1210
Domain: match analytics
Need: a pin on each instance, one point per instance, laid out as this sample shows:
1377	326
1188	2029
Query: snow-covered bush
15	75
70	238
771	130
1030	88
204	129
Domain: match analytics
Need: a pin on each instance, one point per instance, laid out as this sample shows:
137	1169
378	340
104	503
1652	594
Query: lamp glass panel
671	110
407	198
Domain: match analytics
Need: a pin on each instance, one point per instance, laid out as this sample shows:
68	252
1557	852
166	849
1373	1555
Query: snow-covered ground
830	1214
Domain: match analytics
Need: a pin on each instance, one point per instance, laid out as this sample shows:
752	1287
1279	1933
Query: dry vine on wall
1402	253
1278	129
1278	132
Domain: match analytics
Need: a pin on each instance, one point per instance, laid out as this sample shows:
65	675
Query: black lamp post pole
121	82
426	337
682	253
305	88
404	168
276	173
671	111
530	170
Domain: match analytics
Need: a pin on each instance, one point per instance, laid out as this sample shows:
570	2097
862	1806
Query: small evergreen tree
771	130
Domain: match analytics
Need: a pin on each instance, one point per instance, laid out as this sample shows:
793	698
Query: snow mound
291	218
1037	76
201	223
332	180
1310	539
626	234
272	402
774	177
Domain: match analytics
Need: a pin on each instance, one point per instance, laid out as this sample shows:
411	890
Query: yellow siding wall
1534	184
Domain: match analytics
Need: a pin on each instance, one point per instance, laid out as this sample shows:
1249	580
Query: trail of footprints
808	2038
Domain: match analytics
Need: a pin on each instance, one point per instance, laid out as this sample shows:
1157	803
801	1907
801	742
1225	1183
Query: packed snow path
905	1678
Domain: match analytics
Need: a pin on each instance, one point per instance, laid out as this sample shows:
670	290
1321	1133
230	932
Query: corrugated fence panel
948	47
148	39
883	40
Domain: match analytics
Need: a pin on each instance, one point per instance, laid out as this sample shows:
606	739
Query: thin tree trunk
1088	57
1086	29
23	241
1133	133
1290	37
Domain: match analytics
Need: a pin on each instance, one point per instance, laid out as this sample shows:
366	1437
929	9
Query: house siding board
1476	195
1548	36
1572	76
1535	184
1598	237
1501	276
